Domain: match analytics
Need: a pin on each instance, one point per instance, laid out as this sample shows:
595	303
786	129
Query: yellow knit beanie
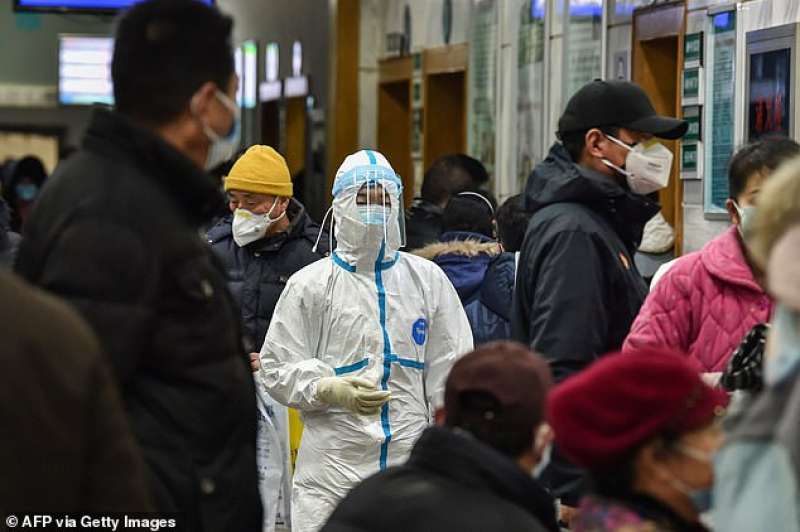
261	170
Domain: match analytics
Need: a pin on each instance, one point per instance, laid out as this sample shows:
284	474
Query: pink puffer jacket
704	305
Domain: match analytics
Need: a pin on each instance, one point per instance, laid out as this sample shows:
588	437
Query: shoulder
566	217
221	229
422	267
680	272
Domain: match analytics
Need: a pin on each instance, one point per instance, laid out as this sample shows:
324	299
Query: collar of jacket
426	207
113	135
656	511
724	258
298	220
460	243
457	455
558	179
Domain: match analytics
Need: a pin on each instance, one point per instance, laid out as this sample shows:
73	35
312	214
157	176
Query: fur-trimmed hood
464	257
467	248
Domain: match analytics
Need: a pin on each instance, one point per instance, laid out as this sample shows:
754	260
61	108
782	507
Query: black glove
746	367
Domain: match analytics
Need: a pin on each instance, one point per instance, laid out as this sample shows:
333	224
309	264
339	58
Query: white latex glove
353	393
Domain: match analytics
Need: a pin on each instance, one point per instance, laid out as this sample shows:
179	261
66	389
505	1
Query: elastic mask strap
618	142
321	229
615	167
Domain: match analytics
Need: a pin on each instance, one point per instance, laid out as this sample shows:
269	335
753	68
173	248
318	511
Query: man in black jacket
115	232
578	289
265	239
473	472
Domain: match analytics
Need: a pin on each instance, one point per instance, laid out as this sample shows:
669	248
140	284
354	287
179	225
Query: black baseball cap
617	103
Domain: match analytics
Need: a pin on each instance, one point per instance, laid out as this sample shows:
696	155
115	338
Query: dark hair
450	175
465	212
512	222
164	51
765	154
617	480
575	141
480	414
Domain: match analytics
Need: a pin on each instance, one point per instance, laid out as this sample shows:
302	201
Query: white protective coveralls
368	311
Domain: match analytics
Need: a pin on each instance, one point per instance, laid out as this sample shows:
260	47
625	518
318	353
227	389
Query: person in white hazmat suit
361	344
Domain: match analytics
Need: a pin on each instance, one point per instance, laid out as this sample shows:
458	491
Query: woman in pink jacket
707	301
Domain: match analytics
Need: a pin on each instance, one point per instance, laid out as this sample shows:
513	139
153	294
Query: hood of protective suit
359	243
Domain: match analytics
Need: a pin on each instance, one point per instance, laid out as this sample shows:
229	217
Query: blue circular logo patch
419	331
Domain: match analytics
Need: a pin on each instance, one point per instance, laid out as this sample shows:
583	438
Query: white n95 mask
248	227
647	166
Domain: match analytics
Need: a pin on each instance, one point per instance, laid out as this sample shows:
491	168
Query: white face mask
248	227
647	166
746	216
223	147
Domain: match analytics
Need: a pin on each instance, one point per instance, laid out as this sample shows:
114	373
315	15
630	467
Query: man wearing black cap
471	473
578	289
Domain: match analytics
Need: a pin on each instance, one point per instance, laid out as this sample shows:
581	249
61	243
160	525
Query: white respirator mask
647	166
248	227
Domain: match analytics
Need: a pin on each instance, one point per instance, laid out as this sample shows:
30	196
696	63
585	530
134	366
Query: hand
353	393
566	514
255	362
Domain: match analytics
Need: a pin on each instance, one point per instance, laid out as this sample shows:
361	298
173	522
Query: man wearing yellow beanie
267	237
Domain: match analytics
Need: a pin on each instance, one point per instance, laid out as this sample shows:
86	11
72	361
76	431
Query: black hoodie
451	482
578	289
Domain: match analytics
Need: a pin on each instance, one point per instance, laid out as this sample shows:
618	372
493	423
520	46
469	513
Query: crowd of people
462	365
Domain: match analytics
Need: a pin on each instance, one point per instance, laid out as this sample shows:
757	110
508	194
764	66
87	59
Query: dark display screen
770	90
78	5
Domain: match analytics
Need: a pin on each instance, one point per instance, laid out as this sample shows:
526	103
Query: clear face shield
378	202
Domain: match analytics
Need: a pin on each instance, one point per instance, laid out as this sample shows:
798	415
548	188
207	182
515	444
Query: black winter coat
115	232
257	272
451	482
578	289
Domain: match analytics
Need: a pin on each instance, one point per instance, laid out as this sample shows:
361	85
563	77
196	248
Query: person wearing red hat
474	471
644	425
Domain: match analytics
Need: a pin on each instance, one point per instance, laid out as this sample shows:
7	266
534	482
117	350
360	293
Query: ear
594	142
202	98
440	416
732	212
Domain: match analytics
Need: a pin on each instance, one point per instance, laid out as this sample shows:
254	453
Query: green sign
693	49
692	116
418	61
691	84
689	158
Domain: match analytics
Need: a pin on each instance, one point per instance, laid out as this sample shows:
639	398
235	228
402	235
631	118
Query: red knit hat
623	400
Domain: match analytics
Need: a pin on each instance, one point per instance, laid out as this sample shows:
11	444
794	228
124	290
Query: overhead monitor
84	69
86	6
238	63
272	61
250	94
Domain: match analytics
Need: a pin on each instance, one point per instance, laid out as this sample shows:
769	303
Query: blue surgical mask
224	147
702	499
373	214
27	191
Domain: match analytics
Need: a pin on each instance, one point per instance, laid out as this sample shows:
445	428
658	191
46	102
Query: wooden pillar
343	103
